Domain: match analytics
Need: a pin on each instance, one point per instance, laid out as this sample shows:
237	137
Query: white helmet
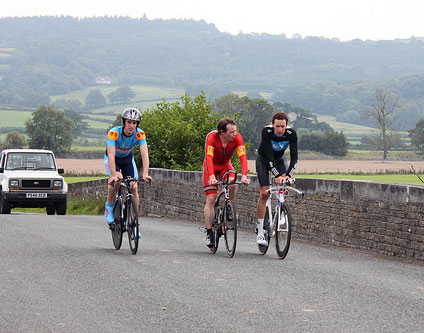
131	114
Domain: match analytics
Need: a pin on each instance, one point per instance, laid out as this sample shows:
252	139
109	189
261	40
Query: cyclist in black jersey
276	138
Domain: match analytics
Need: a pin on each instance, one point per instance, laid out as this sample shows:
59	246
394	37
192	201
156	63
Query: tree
417	135
330	143
302	118
95	99
69	104
79	124
13	140
251	115
49	128
121	95
385	117
176	132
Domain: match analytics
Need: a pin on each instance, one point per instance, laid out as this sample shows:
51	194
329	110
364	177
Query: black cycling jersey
273	147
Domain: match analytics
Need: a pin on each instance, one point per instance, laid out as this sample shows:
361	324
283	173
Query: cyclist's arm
209	154
241	152
293	156
112	166
144	152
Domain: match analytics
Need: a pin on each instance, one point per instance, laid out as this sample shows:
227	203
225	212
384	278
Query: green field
390	178
354	132
142	93
72	180
16	118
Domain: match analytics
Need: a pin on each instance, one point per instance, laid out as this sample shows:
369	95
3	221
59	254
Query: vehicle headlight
57	183
14	183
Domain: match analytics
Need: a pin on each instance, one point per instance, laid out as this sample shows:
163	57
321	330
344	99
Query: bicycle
279	222
126	215
225	220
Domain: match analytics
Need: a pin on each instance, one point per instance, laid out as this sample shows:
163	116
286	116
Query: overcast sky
343	19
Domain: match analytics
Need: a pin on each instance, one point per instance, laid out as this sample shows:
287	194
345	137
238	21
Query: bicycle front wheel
118	224
283	227
132	224
230	228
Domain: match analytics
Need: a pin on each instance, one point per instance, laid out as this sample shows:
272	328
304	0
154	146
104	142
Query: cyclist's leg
210	191
129	169
111	192
209	213
262	172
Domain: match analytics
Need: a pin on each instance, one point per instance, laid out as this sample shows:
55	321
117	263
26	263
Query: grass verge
75	207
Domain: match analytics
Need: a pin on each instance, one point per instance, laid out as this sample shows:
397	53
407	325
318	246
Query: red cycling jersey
217	157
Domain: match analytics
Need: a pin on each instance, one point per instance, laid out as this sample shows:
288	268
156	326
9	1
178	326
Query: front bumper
20	199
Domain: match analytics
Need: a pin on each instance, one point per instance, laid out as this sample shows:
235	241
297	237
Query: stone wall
385	218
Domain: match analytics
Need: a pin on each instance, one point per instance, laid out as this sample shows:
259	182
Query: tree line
49	56
176	131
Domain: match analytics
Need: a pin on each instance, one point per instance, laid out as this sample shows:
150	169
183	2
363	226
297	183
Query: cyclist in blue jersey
119	159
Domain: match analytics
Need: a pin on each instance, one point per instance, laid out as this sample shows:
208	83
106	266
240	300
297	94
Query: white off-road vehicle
30	178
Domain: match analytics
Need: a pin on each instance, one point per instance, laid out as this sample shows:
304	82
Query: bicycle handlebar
128	180
286	185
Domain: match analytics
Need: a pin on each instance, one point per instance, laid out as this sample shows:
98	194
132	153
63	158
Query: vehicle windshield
30	161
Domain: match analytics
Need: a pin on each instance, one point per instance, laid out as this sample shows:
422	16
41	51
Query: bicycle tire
118	224
267	233
230	229
132	224
283	229
215	227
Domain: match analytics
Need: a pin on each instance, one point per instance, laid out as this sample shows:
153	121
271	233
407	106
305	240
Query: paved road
61	274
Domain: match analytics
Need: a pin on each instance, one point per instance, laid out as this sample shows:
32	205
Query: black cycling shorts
263	169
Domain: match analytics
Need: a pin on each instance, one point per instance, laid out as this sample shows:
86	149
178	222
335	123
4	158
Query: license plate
36	195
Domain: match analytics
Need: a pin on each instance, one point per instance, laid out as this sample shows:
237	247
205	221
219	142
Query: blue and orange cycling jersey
125	144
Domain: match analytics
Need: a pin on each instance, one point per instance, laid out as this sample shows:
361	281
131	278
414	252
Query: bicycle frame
126	219
280	192
281	216
223	225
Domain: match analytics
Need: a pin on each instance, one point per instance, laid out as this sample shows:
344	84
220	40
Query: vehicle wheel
230	229
264	248
118	224
4	205
50	210
61	207
132	225
283	227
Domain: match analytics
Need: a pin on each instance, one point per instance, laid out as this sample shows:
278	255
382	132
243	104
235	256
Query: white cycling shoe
260	239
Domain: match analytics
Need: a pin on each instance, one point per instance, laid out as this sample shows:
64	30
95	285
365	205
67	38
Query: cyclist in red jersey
219	148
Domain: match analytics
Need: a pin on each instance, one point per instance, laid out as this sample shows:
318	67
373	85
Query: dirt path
87	166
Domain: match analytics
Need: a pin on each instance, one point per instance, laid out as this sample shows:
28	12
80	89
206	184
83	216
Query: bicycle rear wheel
283	227
230	228
267	233
118	224
132	224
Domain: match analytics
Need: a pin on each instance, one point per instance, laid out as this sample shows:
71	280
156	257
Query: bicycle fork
280	215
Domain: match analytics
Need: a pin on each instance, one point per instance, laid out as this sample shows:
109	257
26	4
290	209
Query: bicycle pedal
112	226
